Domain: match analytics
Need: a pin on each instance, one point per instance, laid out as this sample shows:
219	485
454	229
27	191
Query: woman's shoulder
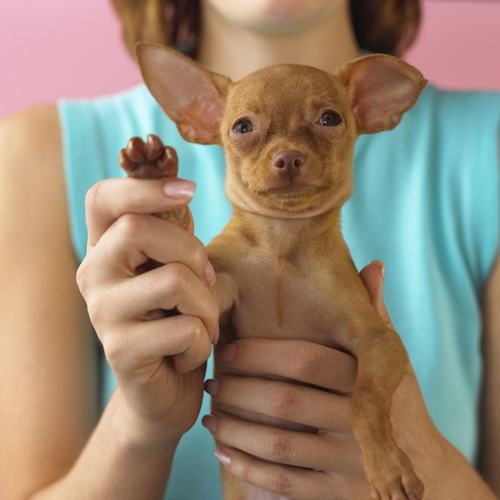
39	123
31	137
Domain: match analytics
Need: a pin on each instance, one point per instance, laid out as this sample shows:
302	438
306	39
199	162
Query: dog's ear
192	96
381	88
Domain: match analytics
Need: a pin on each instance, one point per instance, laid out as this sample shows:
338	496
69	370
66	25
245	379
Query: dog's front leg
382	362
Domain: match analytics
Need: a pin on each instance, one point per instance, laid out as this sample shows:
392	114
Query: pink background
60	48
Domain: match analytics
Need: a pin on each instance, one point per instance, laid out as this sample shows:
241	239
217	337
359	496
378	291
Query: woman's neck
235	50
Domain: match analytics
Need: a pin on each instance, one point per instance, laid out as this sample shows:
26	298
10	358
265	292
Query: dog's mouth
291	190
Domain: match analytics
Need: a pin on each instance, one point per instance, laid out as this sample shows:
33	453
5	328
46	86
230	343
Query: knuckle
92	196
199	256
306	358
280	482
177	277
278	447
194	329
196	336
243	471
284	400
129	226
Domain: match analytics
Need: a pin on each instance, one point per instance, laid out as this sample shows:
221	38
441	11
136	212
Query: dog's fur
283	268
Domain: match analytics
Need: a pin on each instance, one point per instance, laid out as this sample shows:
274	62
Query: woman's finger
373	278
134	239
109	199
184	336
297	360
291	402
273	444
290	482
167	287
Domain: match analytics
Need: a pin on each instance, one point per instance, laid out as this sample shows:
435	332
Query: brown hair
382	26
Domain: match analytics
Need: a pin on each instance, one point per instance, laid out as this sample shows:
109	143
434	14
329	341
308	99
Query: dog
283	268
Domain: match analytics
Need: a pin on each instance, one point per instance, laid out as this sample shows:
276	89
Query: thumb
373	279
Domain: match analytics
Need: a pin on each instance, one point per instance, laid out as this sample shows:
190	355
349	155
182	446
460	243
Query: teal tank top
425	202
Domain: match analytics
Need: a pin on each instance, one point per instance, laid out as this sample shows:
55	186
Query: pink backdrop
56	48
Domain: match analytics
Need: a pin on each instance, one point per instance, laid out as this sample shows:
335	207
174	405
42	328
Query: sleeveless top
425	202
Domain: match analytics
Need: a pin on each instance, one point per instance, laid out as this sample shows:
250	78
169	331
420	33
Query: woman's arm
490	452
48	355
48	388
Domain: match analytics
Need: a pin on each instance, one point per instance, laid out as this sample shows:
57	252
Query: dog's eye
243	127
330	119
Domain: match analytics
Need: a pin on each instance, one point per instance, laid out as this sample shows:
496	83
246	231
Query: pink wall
459	44
50	49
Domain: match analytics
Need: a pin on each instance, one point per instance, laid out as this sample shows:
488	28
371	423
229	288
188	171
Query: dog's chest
281	299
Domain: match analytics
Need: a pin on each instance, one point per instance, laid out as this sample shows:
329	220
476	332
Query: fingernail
223	458
380	264
209	273
226	352
210	422
179	189
212	386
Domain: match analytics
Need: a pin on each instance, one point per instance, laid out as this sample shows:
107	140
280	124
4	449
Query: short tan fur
283	268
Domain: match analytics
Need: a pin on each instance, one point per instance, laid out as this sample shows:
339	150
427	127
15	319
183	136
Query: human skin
53	371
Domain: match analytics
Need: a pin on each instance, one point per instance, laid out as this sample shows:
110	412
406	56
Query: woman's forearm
121	460
446	473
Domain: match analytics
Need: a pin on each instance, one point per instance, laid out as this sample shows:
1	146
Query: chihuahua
283	268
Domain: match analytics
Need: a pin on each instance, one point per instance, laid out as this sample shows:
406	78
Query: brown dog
283	268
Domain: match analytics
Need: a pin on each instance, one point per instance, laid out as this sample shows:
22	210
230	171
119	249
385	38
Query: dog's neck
287	237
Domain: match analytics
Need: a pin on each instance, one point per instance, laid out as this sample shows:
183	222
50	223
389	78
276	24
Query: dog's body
283	292
283	269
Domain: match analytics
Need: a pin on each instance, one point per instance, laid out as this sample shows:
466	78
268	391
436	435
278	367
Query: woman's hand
330	461
158	360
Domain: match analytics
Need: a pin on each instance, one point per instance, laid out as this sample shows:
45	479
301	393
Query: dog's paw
148	160
392	477
152	160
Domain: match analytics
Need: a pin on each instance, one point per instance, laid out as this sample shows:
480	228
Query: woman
425	203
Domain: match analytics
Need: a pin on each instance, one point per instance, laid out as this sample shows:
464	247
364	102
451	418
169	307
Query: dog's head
288	130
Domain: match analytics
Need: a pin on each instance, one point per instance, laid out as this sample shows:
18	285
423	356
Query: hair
384	26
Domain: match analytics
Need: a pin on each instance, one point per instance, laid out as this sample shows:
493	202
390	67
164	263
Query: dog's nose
288	163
